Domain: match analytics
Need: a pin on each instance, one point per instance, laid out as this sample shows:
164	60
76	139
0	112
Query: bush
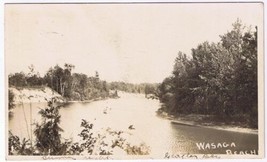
11	101
48	139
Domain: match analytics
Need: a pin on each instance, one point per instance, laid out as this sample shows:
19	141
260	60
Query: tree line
76	86
72	86
218	79
146	88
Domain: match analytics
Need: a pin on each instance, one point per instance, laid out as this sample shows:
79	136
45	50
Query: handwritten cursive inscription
190	156
58	158
101	157
180	156
210	156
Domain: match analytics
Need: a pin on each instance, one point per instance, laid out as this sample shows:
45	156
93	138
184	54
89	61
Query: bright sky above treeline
123	42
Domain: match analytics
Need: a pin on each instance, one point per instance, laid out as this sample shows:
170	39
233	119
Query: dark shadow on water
192	135
66	104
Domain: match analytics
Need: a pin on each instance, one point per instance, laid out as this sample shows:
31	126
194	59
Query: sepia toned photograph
125	81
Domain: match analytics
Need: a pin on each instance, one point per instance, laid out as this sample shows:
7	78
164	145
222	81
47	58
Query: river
136	110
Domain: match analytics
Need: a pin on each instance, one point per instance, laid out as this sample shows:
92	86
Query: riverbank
91	100
44	94
34	94
205	121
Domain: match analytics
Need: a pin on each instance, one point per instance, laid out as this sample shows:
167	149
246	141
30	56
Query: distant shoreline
91	100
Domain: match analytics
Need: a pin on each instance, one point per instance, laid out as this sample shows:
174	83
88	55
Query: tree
33	78
11	101
220	79
47	134
96	75
207	76
66	80
80	86
17	79
166	94
149	89
60	79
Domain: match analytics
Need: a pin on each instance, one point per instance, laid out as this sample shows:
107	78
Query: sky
124	42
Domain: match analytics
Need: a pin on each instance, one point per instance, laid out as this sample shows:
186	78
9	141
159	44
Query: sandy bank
198	121
41	94
218	127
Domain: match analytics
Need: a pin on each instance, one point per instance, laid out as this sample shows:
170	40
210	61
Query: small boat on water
105	110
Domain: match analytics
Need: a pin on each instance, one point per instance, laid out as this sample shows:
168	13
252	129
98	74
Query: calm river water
136	110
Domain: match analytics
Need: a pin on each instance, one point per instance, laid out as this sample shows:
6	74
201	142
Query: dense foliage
72	86
76	86
146	88
219	79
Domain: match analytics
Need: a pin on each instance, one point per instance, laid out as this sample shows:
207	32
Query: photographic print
134	81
